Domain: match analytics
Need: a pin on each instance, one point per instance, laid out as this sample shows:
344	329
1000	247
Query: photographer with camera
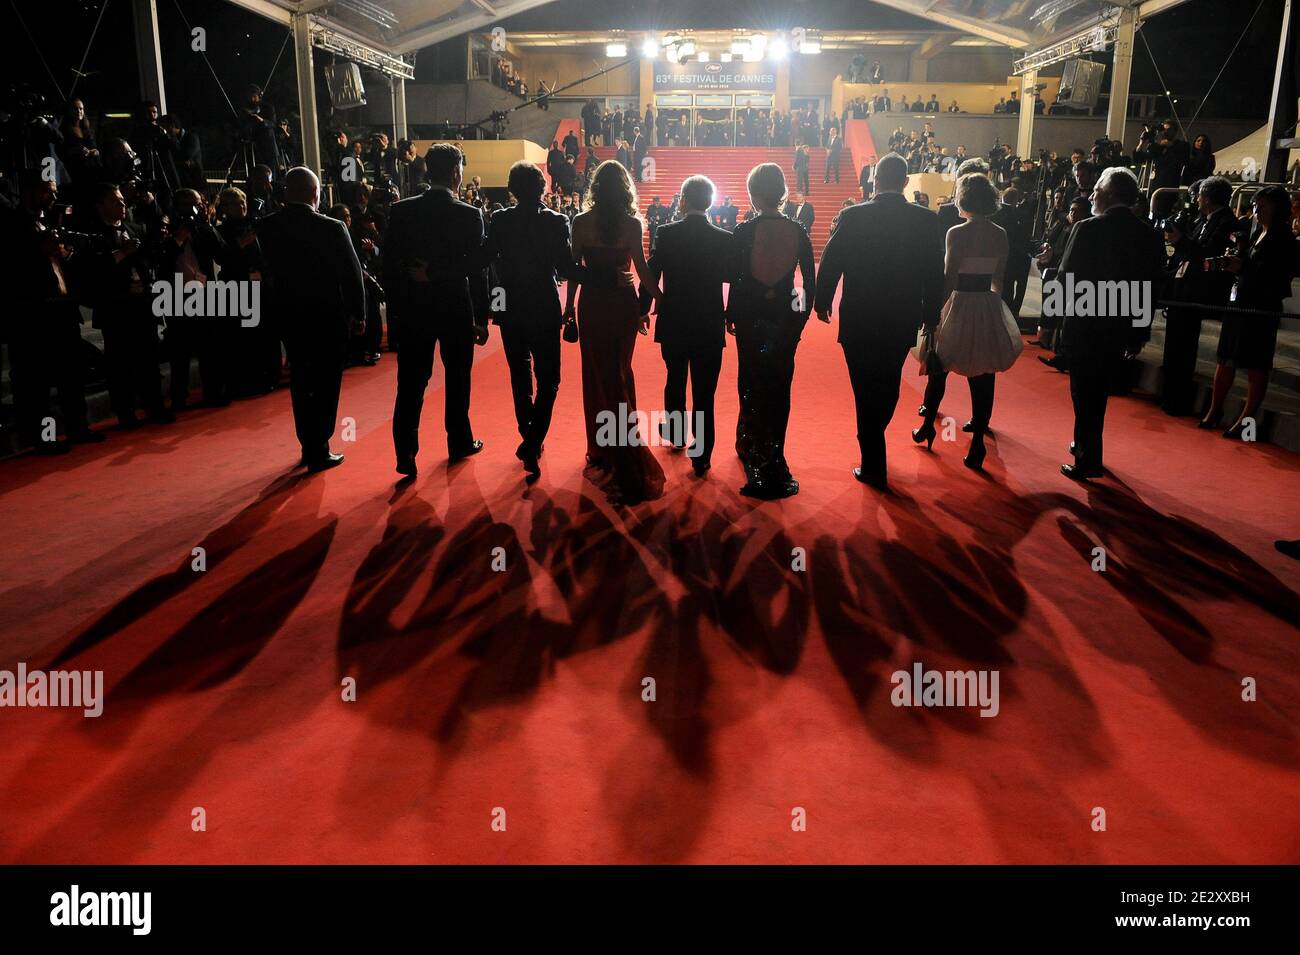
1168	155
1194	238
116	274
255	366
191	248
43	324
156	149
255	131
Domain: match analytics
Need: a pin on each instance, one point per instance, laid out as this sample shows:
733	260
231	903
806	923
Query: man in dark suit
529	245
1114	246
639	148
801	212
692	255
890	255
1207	237
437	295
834	149
317	292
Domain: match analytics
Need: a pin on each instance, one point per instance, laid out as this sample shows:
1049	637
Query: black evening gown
769	321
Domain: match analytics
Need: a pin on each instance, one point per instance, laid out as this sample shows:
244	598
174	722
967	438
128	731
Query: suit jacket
530	249
694	258
446	235
949	216
804	214
890	254
313	273
1115	246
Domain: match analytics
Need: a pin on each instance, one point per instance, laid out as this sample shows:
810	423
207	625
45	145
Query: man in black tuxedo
1113	246
834	149
890	254
693	256
801	211
437	295
639	148
529	244
318	294
1207	237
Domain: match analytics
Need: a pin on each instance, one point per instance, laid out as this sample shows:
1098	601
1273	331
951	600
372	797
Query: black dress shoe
406	465
49	449
463	453
324	464
129	424
878	481
1077	472
1054	362
162	417
1073	453
86	436
531	465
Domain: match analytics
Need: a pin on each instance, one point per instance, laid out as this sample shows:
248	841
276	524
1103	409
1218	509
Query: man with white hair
318	297
1113	247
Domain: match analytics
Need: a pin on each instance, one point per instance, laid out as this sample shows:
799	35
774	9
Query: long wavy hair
611	197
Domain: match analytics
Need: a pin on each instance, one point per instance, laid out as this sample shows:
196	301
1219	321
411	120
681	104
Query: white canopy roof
403	26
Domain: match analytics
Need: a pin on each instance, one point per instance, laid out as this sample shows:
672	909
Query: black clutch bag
570	333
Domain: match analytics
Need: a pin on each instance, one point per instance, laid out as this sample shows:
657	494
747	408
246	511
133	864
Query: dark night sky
1189	43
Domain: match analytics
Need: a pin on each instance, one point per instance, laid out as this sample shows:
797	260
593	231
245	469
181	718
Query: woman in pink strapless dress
607	242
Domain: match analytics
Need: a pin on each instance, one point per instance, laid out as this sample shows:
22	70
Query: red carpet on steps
521	689
729	169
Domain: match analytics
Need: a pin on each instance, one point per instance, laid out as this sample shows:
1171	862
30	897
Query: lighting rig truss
1092	40
332	42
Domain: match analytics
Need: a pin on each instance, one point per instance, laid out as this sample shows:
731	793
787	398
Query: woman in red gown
607	241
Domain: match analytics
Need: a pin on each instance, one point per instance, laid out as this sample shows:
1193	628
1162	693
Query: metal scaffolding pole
399	108
1121	74
1025	133
149	53
1282	110
306	91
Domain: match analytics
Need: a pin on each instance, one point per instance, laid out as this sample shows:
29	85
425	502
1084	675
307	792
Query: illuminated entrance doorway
712	119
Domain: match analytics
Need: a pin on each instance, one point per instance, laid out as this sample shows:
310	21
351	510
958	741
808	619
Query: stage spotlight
616	50
650	49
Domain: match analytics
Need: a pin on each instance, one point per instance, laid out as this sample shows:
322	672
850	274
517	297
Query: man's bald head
301	185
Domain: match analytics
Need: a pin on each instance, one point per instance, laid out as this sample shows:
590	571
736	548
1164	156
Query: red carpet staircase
729	167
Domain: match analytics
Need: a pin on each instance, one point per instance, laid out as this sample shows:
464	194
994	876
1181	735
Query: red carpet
522	689
729	169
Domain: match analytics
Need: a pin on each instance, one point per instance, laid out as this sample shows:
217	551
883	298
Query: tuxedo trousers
532	347
702	364
416	344
875	372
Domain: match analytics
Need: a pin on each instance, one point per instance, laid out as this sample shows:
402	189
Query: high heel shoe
975	457
1235	432
925	433
1210	424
